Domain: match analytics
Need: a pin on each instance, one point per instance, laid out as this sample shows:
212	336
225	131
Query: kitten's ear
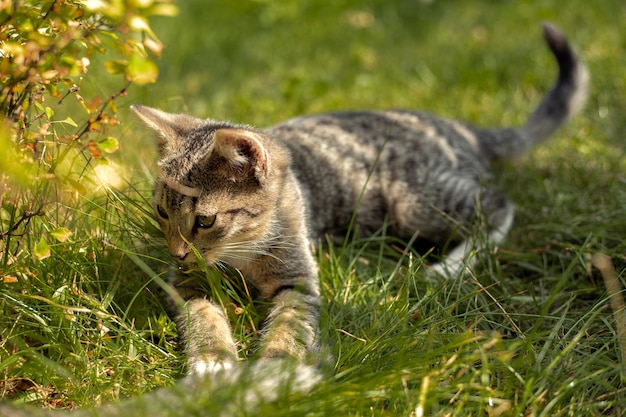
170	128
244	151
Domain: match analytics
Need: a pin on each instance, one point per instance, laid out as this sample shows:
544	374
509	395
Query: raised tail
567	97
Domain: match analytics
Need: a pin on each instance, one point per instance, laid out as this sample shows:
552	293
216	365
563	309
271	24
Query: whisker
250	250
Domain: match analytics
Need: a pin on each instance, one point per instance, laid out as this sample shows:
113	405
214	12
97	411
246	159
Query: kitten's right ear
170	128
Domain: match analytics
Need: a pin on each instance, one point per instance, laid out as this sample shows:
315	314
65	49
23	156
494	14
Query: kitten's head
217	186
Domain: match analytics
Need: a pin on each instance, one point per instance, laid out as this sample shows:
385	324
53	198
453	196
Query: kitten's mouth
188	260
191	261
187	267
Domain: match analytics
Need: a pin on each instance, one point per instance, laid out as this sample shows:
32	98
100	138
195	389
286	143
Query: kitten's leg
291	329
207	337
499	215
202	326
291	332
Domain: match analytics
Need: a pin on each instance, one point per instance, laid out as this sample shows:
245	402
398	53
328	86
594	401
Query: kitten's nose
180	256
179	252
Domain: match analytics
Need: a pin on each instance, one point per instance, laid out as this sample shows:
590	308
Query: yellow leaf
116	67
41	250
61	234
109	145
141	70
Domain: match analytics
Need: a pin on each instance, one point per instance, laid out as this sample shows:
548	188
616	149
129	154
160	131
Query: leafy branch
46	50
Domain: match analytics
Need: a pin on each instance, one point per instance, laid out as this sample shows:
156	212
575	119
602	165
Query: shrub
64	64
47	144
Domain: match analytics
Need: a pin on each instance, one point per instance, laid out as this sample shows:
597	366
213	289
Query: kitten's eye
205	222
161	212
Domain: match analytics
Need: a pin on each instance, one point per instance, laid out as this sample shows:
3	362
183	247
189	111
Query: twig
25	218
103	107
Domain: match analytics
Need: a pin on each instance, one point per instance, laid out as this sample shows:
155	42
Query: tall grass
527	331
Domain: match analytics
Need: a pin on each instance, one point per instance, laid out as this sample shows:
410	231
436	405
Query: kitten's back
411	167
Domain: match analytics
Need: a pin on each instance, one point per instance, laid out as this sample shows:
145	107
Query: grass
528	331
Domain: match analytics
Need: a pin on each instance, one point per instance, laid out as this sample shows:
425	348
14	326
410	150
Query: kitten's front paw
276	375
209	367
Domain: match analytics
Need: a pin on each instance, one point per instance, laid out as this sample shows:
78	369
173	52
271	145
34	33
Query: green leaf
109	145
164	10
68	121
141	70
61	234
116	67
41	250
49	113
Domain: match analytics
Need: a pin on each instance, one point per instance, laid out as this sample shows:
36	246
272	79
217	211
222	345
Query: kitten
255	199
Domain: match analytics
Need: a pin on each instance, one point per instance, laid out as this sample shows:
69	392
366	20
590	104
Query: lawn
529	330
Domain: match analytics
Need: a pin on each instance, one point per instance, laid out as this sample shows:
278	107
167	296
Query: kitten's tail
566	98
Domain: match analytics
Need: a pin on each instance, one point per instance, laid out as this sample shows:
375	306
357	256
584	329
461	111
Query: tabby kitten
255	199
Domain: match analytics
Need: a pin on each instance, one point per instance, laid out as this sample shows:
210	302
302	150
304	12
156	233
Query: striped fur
254	199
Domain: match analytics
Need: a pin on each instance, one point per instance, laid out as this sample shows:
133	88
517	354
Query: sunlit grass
528	331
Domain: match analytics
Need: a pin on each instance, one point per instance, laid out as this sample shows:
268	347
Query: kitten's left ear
244	151
171	129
